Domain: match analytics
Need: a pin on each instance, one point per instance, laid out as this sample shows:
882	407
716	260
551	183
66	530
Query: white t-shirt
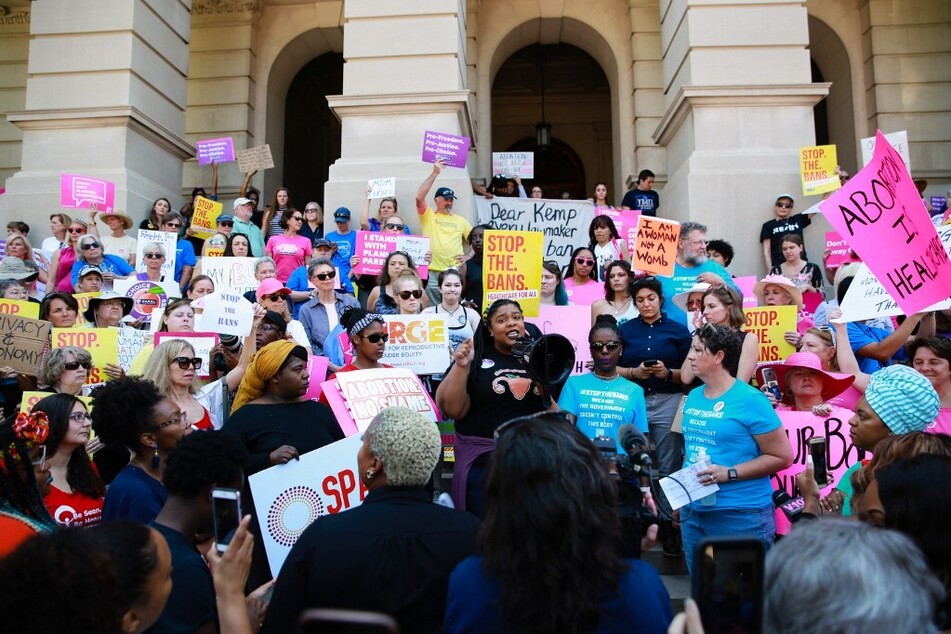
52	245
123	247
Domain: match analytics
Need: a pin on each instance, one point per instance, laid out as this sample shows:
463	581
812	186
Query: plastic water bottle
702	457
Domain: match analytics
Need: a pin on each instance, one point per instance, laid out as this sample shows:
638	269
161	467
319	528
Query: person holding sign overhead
448	233
388	207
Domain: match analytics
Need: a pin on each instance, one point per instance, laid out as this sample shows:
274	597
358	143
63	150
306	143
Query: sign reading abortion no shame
23	342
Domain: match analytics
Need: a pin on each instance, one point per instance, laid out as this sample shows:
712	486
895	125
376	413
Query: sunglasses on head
91	245
154	256
598	346
377	337
184	362
75	365
273	297
394	226
407	294
585	261
323	277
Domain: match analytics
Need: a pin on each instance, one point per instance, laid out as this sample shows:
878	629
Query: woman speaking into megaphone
484	387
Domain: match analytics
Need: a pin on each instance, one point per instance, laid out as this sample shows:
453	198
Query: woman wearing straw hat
118	242
776	290
691	301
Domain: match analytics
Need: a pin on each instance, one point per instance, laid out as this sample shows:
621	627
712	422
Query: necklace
618	311
607	378
461	318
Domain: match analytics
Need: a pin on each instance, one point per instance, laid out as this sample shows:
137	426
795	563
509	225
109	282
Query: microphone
790	506
634	443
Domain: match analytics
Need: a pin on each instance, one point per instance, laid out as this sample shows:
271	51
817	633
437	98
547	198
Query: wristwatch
732	473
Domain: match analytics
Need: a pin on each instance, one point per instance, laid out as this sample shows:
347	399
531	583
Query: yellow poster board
817	169
771	323
20	308
205	218
512	268
101	343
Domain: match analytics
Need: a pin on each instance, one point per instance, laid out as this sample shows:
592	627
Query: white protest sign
201	343
382	187
255	159
417	342
289	497
521	164
147	297
898	140
231	272
226	313
149	238
564	222
131	341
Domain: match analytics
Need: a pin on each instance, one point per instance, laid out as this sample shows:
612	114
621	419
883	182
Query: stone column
648	94
14	51
405	73
739	99
105	97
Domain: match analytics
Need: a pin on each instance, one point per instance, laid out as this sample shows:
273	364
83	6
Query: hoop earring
155	459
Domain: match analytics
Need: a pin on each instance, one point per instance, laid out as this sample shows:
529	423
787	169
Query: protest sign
289	497
23	341
147	297
839	252
564	223
366	392
417	342
30	399
512	268
898	140
83	300
880	207
656	245
572	322
373	247
227	313
215	150
317	370
381	187
101	343
205	218
817	170
78	192
20	307
255	159
746	284
521	164
626	222
167	240
231	272
131	341
771	323
938	205
840	452
201	343
451	149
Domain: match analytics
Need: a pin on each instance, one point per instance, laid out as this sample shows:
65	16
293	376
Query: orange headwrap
264	365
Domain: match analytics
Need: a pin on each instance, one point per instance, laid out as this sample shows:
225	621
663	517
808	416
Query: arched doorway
577	99
311	130
834	115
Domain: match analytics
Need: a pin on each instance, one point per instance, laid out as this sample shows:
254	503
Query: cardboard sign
227	313
839	252
880	206
817	170
317	370
169	242
101	343
366	392
898	140
373	247
626	222
255	159
231	272
564	223
147	297
771	323
20	307
215	151
417	342
511	269
289	497
382	187
201	343
453	150
23	341
521	164
656	246
131	341
573	322
746	284
78	192
205	218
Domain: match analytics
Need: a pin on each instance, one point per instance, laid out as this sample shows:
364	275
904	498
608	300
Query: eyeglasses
560	416
226	223
784	205
310	210
80	231
154	256
395	227
585	261
273	297
184	362
180	419
75	365
174	225
407	294
323	277
269	328
376	337
91	245
41	461
598	346
79	417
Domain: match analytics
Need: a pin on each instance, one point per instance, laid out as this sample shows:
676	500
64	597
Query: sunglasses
273	297
71	230
174	225
784	205
407	294
41	461
298	218
395	227
560	416
310	211
91	245
585	261
831	332
376	337
184	362
598	346
154	256
323	277
79	417
75	365
226	223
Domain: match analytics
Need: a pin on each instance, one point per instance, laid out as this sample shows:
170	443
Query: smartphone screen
728	584
817	449
226	507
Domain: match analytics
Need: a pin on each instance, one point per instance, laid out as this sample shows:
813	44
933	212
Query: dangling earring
155	459
370	474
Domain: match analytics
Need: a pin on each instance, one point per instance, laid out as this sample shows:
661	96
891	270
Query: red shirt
73	509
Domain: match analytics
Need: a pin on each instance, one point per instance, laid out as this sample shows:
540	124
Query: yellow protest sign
20	308
32	398
771	323
512	268
83	300
101	343
205	217
817	169
655	249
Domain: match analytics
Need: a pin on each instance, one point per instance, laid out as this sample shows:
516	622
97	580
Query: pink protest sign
880	206
626	222
317	369
331	392
746	284
81	191
573	322
366	392
453	150
839	252
217	150
840	452
374	246
584	295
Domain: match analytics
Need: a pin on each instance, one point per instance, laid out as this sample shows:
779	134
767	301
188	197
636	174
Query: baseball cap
242	201
341	214
225	218
89	268
324	243
270	286
781	196
277	319
445	192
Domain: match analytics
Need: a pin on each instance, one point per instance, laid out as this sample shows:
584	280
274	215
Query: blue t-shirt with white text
683	280
603	406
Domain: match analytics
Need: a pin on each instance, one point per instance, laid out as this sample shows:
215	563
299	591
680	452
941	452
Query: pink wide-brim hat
833	383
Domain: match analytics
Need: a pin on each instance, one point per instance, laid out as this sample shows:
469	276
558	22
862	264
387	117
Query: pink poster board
317	369
584	295
453	150
746	284
331	392
626	222
838	248
573	322
357	397
215	150
77	192
373	247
